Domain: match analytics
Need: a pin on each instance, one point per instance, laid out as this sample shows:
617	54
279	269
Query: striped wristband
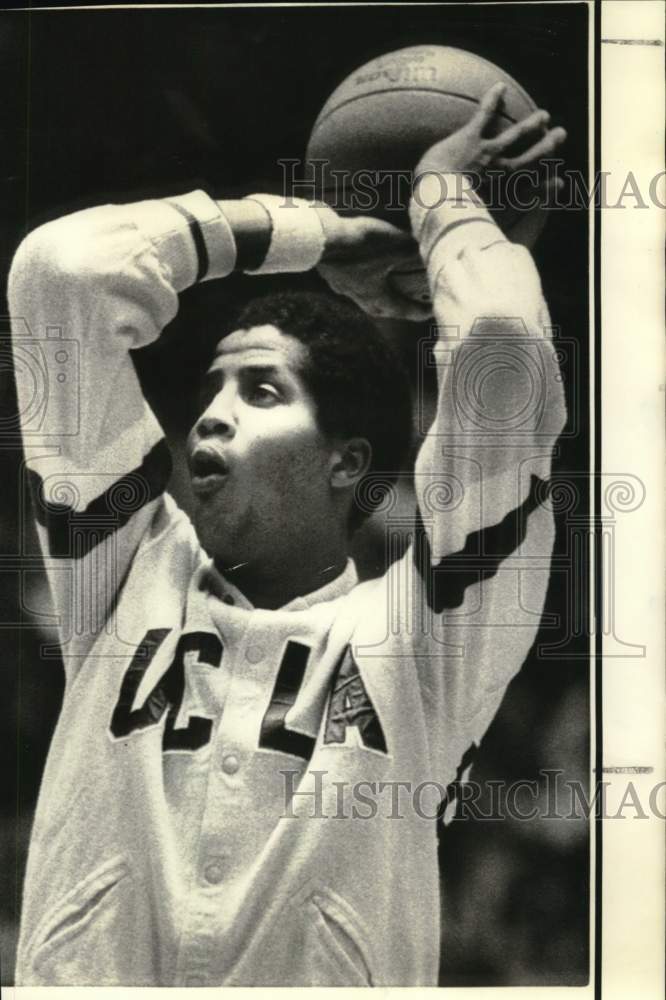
297	236
211	234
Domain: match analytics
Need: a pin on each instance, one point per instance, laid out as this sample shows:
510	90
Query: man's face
258	462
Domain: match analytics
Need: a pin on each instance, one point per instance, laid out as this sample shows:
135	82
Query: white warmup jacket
220	804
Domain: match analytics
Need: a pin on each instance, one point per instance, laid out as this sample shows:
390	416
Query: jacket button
254	654
214	872
230	763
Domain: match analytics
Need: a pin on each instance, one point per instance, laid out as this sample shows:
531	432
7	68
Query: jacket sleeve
465	601
83	292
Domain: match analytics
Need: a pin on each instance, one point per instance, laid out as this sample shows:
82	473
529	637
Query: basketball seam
465	52
396	90
506	77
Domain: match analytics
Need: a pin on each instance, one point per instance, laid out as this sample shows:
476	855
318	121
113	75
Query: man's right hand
469	150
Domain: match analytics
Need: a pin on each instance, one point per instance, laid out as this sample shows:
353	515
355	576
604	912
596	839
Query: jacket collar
217	584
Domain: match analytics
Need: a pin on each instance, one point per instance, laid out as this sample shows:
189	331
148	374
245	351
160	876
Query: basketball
379	121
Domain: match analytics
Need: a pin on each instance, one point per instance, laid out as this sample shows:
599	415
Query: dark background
117	105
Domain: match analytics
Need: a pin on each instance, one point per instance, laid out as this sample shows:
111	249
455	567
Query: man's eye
264	393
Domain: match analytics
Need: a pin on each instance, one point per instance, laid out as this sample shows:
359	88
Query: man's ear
350	460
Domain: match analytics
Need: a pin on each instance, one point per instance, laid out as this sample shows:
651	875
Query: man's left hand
359	255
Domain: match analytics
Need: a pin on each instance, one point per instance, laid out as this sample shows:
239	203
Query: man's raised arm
84	291
484	527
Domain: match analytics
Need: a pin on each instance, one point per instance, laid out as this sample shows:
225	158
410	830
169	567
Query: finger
350	273
390	304
398	308
545	147
384	255
331	277
376	245
533	123
402	305
546	188
382	231
488	106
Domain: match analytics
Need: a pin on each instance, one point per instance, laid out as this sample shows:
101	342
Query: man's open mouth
208	468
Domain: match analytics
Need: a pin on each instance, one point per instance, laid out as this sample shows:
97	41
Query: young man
222	800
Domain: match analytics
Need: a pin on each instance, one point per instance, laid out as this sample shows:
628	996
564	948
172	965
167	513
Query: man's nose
217	419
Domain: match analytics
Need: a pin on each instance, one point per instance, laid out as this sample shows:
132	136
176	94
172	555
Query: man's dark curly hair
357	380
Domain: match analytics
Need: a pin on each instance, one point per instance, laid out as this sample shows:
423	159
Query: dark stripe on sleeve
455	225
484	551
253	240
199	241
73	534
